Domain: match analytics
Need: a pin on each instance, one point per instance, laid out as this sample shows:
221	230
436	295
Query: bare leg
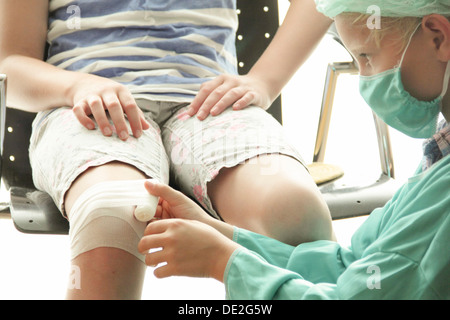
273	195
106	273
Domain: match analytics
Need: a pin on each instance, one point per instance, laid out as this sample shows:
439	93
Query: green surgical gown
402	251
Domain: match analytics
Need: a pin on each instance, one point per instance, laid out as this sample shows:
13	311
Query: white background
37	266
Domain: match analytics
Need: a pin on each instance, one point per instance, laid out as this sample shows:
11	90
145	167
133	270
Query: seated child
402	250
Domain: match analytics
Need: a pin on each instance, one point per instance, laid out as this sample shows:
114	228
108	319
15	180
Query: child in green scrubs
402	251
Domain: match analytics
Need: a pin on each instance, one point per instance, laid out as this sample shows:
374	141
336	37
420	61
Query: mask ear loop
409	42
447	70
446	80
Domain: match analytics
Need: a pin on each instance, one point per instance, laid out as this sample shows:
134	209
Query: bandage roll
117	194
111	214
146	212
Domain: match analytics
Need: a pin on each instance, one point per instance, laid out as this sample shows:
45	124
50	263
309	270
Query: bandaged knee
111	214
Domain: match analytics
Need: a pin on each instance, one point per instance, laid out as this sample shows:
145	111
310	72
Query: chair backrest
16	169
258	22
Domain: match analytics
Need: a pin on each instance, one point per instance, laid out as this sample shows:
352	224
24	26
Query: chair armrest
35	212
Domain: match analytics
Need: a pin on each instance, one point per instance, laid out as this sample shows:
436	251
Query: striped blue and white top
160	49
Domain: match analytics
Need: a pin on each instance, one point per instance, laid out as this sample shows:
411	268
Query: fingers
113	105
117	104
152	246
220	99
82	112
164	246
205	90
247	99
165	192
189	248
95	104
157	259
155	229
134	114
220	93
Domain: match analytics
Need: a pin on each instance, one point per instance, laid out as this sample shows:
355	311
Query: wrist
224	228
71	87
222	259
268	84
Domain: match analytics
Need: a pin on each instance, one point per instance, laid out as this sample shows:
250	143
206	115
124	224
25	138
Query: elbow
6	61
3	58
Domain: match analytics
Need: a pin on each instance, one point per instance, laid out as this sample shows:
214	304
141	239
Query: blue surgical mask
385	94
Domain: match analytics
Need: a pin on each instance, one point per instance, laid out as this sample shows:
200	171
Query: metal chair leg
384	145
333	72
346	200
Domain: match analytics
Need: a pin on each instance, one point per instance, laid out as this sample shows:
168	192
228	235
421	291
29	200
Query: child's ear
437	28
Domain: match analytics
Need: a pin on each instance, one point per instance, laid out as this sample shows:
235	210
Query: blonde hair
403	26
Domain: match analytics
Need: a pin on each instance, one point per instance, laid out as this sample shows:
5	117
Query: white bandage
104	216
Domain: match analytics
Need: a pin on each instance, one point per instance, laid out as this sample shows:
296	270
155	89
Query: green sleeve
250	277
400	252
268	269
378	276
322	261
273	251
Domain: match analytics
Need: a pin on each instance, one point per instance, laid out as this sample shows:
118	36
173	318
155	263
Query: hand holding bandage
104	216
174	204
188	246
146	212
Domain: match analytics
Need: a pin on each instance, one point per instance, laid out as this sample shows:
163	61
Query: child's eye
365	59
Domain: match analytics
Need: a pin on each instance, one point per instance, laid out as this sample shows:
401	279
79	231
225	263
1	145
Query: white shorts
188	151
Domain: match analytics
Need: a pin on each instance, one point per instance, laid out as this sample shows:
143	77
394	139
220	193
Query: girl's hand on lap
95	96
226	91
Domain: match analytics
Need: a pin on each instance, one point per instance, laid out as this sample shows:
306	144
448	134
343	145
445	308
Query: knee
286	205
106	228
103	216
294	212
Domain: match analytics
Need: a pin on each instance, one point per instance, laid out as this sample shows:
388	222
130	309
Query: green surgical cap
386	8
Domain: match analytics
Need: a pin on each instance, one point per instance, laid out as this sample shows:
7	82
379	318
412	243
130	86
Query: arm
34	85
191	248
400	252
213	237
378	276
299	34
257	267
250	277
175	205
